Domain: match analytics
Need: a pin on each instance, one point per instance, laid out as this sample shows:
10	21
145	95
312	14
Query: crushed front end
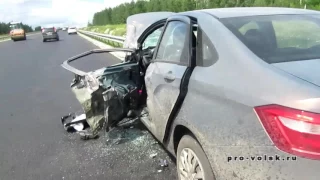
109	94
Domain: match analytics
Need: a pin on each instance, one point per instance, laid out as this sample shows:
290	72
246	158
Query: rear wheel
57	39
25	37
192	163
44	40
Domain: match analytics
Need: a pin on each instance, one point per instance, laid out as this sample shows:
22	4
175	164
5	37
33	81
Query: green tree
38	28
119	14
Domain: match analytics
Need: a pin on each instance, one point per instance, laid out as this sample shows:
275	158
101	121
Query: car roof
255	11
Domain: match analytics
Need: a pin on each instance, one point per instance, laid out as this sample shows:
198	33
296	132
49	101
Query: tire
188	143
44	40
57	39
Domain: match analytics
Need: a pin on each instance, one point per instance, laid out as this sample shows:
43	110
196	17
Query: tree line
119	14
5	28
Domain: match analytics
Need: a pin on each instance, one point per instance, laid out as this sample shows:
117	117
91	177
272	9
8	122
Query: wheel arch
178	133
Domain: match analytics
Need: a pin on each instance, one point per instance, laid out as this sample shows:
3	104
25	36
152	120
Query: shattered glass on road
125	152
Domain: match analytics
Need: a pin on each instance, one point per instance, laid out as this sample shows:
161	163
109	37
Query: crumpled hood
138	23
308	70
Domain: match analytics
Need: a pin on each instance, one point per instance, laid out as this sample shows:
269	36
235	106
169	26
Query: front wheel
192	163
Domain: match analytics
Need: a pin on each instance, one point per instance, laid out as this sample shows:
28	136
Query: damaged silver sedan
215	88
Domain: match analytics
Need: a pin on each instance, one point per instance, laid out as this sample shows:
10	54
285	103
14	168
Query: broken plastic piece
79	126
163	163
88	135
75	124
153	155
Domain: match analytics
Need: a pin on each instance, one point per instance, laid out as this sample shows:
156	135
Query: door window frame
187	48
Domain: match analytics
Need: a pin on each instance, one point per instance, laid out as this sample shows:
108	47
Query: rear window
48	29
15	26
279	38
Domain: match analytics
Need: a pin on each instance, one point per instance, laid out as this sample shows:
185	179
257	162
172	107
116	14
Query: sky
57	13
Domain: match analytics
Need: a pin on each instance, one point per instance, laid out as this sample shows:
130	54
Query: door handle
169	76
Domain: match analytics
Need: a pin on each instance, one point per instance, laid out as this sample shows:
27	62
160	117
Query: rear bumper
17	36
53	36
72	32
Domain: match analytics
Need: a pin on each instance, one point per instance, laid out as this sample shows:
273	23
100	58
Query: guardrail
117	39
8	36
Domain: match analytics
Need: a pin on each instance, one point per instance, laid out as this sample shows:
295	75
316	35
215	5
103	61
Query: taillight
42	30
293	131
54	29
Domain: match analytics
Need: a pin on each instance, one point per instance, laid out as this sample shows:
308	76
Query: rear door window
172	43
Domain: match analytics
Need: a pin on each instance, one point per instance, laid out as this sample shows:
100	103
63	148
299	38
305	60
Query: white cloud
53	12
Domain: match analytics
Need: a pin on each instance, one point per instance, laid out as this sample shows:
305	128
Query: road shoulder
101	45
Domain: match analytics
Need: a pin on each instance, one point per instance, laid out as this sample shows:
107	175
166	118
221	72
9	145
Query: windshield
279	38
15	26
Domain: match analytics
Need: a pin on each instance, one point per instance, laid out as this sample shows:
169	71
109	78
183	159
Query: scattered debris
163	163
153	155
73	123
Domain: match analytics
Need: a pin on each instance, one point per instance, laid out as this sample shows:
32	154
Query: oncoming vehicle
232	93
72	30
49	33
17	32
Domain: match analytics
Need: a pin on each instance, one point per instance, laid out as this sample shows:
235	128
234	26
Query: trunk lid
308	70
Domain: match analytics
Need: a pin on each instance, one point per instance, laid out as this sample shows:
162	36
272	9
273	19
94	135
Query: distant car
17	32
72	30
64	29
50	33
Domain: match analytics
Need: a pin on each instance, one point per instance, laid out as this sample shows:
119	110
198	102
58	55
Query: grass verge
115	30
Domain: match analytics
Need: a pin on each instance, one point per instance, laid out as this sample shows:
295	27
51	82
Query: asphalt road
34	94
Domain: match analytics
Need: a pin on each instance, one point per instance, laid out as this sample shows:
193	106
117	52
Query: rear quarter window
279	38
296	33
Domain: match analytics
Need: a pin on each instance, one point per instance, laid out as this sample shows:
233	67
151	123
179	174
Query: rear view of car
17	32
50	33
72	30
